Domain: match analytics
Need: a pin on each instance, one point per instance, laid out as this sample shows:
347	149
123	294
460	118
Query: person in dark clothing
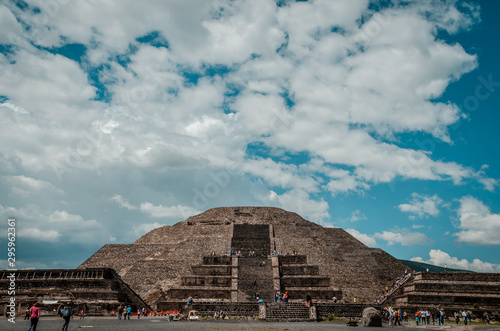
66	313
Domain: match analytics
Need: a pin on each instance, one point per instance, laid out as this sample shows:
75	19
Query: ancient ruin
172	263
96	290
229	258
451	290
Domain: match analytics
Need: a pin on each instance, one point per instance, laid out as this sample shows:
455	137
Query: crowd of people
281	297
65	311
253	253
466	317
394	286
275	253
425	317
125	311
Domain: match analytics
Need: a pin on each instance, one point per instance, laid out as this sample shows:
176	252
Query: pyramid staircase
241	278
290	312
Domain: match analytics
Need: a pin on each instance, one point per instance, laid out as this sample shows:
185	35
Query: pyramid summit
234	254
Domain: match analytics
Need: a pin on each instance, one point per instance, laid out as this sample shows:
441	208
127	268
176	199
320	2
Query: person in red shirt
35	315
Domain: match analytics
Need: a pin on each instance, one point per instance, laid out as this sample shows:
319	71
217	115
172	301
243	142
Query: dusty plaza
154	323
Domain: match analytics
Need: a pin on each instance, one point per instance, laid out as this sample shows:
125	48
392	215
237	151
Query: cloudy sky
381	118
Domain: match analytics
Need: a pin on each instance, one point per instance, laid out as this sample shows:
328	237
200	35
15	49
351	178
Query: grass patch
333	318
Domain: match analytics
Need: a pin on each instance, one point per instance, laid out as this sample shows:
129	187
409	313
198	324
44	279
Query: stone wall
272	311
341	310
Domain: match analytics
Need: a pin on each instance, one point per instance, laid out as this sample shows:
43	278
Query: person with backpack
66	313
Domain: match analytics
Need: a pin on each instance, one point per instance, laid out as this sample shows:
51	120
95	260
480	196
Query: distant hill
420	266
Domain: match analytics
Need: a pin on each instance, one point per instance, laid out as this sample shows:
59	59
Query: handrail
399	286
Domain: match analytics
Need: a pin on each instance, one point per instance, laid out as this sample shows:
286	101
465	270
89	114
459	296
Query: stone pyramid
171	263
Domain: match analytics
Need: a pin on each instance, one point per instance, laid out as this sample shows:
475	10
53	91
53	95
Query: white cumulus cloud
478	225
439	258
422	205
402	237
363	237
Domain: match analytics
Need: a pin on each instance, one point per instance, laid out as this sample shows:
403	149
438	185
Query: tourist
66	314
189	302
308	301
487	319
405	316
276	297
139	314
129	310
119	311
35	315
285	297
82	314
27	314
397	317
441	316
334	299
417	317
469	317
391	317
457	317
464	316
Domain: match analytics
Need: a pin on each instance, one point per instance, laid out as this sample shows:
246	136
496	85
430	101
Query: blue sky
376	117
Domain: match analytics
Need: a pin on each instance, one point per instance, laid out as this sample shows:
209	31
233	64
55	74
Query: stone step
291	259
217	260
184	292
311	281
287	312
289	270
211	270
250	231
220	281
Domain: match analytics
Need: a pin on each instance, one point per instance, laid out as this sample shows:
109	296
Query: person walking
66	313
82	313
35	315
120	311
441	316
129	310
27	314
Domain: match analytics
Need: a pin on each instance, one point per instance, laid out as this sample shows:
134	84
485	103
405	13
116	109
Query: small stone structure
97	290
449	290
